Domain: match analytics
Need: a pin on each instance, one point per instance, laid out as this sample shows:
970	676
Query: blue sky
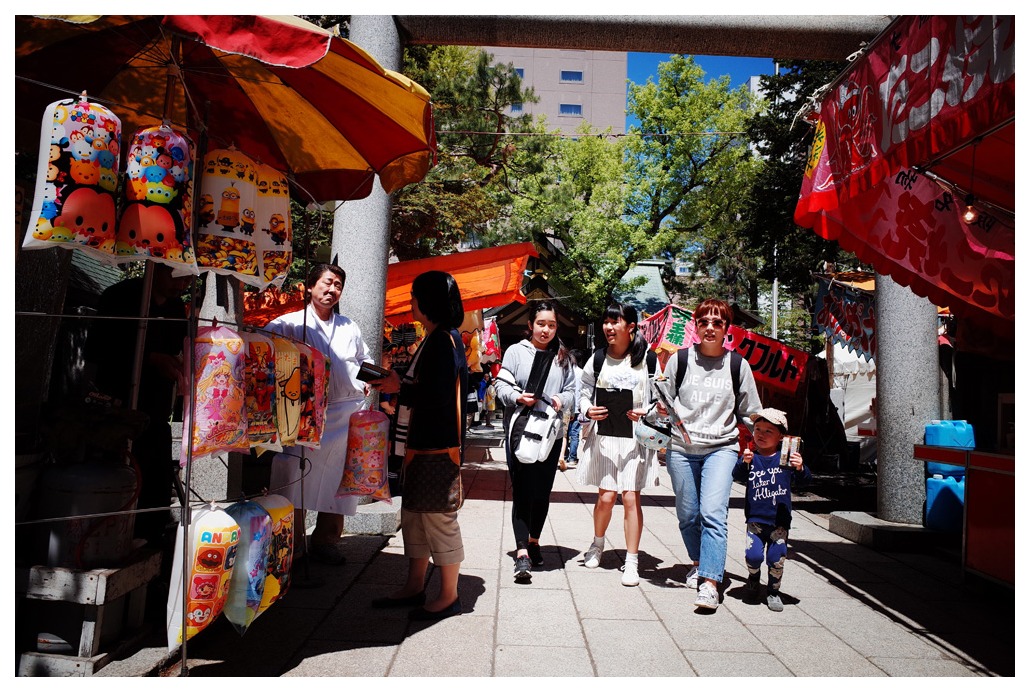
640	66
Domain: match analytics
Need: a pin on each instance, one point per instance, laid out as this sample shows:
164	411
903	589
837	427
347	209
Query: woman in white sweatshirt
710	405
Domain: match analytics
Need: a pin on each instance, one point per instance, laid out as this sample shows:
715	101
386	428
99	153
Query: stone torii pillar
361	228
907	397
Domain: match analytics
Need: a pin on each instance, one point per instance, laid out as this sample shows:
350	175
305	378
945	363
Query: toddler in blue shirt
767	501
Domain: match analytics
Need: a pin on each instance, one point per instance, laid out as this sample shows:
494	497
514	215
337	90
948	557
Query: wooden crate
112	600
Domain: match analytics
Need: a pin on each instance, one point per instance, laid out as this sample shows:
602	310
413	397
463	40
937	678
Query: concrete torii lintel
816	37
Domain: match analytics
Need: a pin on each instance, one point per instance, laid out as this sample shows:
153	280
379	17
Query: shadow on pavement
930	596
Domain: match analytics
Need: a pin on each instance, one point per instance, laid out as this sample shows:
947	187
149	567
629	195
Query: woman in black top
428	392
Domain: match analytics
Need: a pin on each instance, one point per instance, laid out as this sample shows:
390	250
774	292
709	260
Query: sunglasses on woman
717	323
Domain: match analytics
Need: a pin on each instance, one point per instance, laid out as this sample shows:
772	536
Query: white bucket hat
773	415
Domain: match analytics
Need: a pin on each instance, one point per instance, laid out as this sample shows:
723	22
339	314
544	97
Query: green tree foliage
788	252
477	163
576	201
692	169
674	185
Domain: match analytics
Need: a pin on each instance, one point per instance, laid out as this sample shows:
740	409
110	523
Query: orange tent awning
487	278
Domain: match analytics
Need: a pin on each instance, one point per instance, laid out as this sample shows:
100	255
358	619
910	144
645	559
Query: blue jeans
572	448
702	485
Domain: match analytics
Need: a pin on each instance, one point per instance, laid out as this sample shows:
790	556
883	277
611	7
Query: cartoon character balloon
217	414
280	551
259	378
213	540
312	400
75	203
247	585
287	389
157	217
225	224
366	466
271	227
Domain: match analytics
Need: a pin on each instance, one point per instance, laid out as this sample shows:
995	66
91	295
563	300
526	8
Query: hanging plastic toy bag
157	215
306	432
322	376
75	202
367	452
225	223
247	585
280	549
218	412
259	387
287	389
213	538
272	229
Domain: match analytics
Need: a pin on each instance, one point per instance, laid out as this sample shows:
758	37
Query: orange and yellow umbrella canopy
286	92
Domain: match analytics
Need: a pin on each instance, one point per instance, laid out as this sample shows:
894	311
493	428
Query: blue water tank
945	498
936	468
950	433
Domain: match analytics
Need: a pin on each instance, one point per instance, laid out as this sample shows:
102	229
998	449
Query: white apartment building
573	85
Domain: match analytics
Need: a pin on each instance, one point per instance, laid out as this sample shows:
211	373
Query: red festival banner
848	316
773	363
668	329
919	105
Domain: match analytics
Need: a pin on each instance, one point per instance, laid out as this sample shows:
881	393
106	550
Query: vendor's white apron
325	463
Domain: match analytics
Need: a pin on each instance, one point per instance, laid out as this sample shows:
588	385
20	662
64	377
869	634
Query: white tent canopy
854	388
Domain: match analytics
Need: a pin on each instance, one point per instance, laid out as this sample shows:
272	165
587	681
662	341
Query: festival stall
913	163
286	107
486	278
913	169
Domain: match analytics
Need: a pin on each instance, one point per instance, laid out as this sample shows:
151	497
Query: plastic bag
365	472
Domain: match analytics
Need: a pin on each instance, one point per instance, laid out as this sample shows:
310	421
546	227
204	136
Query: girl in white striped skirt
617	464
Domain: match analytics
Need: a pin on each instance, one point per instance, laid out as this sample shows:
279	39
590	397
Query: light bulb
971	214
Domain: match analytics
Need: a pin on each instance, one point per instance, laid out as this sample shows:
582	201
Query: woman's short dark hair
439	298
719	307
638	346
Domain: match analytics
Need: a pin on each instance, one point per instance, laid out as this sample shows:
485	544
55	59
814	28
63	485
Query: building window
516	107
575	76
570	109
520	72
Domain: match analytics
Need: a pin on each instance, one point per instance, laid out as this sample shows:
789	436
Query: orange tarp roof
487	278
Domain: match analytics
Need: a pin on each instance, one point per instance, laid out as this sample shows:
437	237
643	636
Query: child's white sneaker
774	602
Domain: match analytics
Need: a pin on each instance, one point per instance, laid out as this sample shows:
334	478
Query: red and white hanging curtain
923	119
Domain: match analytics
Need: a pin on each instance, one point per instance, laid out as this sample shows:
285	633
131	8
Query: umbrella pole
185	514
307	581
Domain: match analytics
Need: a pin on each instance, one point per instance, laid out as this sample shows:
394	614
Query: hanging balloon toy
75	204
228	189
157	216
